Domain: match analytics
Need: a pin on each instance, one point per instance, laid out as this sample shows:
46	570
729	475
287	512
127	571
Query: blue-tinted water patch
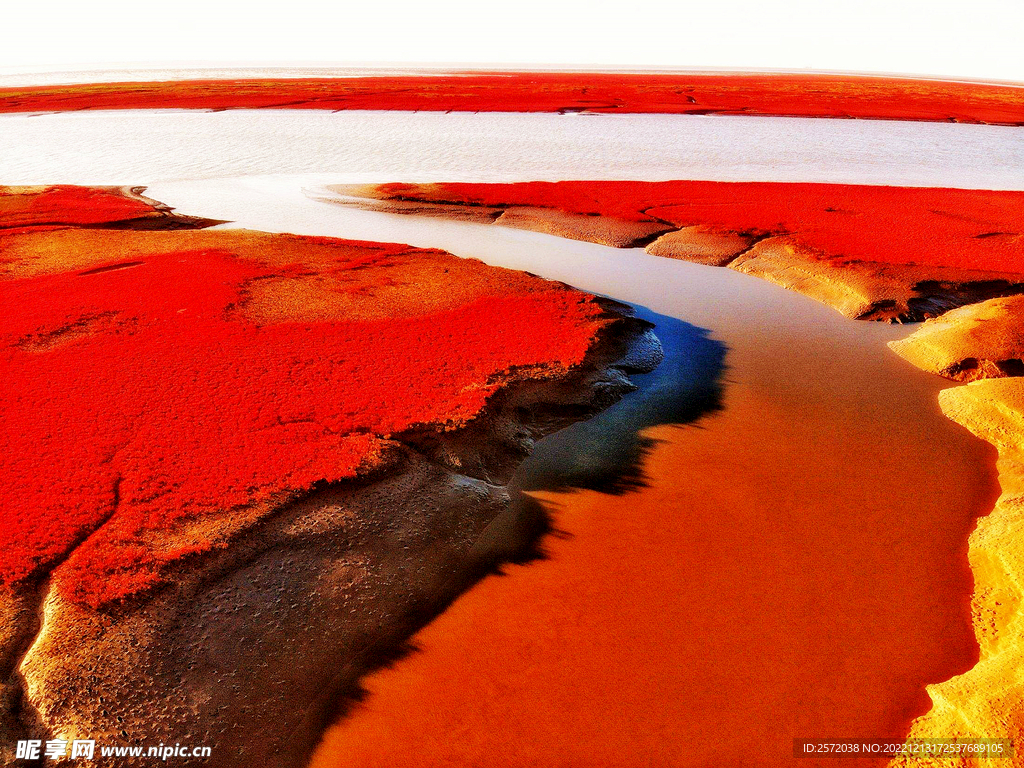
606	453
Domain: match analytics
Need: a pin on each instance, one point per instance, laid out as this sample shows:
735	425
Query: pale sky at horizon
977	40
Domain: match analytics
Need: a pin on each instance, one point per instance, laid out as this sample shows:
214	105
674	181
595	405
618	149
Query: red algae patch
777	94
140	394
27	207
967	229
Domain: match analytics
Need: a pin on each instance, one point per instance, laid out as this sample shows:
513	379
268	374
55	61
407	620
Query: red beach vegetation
143	392
778	94
968	229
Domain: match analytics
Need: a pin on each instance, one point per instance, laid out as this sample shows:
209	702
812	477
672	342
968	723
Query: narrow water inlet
794	564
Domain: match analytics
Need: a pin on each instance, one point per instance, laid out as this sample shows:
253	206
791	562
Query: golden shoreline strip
983	344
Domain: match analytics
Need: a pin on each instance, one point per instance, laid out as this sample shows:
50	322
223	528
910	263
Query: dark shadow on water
606	453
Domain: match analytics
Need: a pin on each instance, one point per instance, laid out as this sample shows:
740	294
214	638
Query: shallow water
141	146
793	565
